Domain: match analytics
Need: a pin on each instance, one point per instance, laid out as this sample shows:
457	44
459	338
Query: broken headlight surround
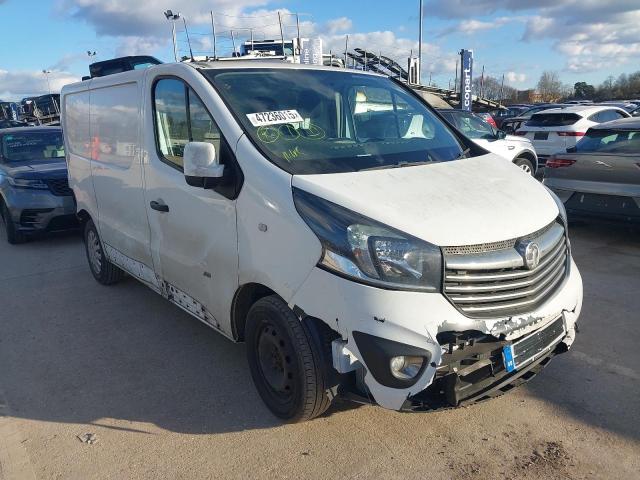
367	251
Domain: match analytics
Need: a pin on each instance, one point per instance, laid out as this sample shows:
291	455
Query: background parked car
510	125
600	176
500	115
516	149
12	124
34	191
557	129
486	116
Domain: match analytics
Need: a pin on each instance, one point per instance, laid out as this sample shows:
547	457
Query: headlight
27	183
367	251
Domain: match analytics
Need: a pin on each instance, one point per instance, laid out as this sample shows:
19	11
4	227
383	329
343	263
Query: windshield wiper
398	165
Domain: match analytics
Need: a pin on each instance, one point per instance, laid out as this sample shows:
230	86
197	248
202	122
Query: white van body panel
116	133
444	203
75	124
277	248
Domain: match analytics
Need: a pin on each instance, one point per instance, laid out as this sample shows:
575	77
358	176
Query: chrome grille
497	283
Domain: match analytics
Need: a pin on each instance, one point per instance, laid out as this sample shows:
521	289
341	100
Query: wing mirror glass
202	167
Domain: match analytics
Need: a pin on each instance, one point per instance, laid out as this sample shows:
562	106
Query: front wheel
525	164
285	364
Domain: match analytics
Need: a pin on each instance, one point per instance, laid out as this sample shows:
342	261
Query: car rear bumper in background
40	210
609	201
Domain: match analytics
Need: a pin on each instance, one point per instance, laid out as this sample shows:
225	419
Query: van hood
464	202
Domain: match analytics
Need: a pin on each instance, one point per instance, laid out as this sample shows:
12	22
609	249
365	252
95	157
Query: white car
516	149
554	130
357	249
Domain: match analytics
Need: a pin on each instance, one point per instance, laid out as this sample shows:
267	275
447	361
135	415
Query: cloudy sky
582	39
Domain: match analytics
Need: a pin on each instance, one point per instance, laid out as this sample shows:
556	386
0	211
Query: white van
332	221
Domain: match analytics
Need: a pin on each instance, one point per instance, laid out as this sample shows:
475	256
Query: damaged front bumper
466	362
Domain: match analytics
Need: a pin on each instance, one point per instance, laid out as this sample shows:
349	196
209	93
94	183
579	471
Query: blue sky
581	39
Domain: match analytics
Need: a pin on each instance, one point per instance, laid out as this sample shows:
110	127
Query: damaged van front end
483	317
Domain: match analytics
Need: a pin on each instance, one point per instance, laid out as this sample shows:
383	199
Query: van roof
251	64
133	75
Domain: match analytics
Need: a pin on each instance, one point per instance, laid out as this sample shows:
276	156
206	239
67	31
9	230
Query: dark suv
34	190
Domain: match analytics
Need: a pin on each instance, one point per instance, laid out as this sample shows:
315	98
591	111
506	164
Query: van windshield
319	121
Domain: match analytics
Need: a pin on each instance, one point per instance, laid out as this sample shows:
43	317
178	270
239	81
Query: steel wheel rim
95	252
275	361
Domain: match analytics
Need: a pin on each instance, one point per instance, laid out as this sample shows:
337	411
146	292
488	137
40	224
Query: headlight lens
27	183
368	251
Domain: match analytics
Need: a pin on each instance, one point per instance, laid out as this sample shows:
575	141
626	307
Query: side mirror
572	149
501	135
201	167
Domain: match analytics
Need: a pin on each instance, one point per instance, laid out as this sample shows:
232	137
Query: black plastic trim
377	353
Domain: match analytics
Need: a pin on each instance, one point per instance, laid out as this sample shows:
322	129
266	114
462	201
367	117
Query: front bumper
419	319
40	210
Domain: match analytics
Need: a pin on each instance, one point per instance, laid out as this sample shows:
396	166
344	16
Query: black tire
13	235
102	269
526	165
286	367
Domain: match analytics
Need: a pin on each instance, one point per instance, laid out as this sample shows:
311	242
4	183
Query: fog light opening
405	367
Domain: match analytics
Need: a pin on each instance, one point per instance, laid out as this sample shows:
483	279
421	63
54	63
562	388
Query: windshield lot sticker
260	119
269	134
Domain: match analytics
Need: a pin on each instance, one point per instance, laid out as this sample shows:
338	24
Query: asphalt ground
115	382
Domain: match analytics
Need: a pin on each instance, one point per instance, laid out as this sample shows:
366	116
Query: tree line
550	88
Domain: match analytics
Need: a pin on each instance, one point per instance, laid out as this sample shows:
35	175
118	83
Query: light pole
173	17
91	55
46	75
420	46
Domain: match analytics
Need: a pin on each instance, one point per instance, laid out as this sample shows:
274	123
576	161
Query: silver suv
34	191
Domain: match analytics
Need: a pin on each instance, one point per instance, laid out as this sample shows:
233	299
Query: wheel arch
246	295
529	155
83	216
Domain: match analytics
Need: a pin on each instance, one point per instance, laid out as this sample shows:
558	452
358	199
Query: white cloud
338	25
590	34
471	27
513	77
18	84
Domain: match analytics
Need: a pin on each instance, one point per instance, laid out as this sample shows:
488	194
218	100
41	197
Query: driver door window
181	117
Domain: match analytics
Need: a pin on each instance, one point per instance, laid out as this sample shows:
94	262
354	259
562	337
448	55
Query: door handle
161	207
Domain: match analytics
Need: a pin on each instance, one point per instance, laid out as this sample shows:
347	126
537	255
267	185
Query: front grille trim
478	286
59	186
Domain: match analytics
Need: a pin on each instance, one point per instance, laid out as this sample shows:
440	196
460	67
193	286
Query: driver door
193	230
